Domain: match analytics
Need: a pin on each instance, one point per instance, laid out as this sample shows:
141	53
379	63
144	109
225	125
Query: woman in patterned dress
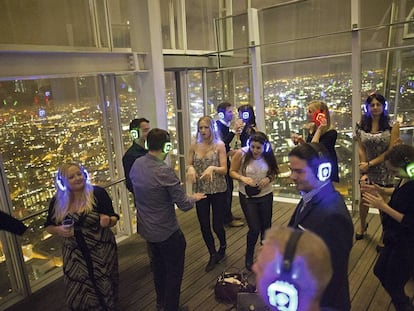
90	259
207	170
375	137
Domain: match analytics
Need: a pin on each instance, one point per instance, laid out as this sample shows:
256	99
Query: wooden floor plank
197	291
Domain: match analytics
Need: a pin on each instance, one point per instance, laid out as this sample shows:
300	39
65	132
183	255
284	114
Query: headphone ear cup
135	134
60	183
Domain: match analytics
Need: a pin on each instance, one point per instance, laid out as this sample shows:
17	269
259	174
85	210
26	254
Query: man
227	134
138	129
159	190
322	210
296	266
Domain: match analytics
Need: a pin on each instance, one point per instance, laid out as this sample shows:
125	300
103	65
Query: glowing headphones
409	168
166	147
283	293
221	113
60	180
324	167
266	145
245	115
135	133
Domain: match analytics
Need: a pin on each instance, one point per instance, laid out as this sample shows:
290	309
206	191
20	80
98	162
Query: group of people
311	255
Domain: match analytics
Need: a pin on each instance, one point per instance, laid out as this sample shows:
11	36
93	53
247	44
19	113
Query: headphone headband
282	293
290	250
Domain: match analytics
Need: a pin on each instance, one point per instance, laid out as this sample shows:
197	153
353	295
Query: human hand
363	167
65	231
238	126
198	196
191	174
208	173
263	182
297	139
373	200
104	220
248	181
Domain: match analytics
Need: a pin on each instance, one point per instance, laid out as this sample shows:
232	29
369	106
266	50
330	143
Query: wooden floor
136	286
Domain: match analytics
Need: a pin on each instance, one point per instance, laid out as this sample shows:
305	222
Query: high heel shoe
361	235
211	263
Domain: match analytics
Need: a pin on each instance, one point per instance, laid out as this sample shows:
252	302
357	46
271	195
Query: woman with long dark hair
255	167
375	137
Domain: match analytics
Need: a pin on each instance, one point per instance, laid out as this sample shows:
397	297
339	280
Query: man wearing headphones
292	269
157	222
227	132
322	210
138	128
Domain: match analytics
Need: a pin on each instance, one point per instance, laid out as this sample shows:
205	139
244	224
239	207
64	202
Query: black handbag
229	284
251	191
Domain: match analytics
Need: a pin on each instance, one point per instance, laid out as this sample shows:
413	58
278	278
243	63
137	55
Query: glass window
47	22
200	16
44	123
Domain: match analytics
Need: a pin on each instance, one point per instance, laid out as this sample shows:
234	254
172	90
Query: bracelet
368	163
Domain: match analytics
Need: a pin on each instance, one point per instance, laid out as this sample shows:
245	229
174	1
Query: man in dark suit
322	210
228	131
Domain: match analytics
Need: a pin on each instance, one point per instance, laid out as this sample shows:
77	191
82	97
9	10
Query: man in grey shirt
159	189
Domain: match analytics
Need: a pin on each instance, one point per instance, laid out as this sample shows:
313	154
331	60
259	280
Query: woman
207	170
246	114
321	131
395	263
255	167
375	138
90	260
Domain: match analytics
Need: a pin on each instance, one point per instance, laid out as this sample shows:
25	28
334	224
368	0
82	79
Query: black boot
249	262
211	263
221	253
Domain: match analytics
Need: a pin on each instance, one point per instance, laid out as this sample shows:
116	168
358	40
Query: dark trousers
393	268
203	213
228	216
168	268
258	213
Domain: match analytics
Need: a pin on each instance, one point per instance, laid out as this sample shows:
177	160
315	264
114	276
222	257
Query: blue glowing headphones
283	292
60	180
324	169
266	145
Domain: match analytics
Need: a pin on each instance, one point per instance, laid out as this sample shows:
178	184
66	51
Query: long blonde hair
322	107
64	196
214	135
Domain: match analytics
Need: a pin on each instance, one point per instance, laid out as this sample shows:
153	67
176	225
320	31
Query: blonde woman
207	170
321	131
90	260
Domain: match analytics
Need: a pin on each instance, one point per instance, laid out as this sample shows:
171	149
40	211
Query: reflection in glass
44	123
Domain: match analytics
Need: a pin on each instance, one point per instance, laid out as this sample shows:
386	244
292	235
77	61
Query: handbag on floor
229	284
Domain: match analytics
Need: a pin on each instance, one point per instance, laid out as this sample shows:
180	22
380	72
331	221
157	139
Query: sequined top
376	144
206	185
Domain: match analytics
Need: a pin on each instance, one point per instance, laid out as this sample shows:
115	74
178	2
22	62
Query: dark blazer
134	152
327	216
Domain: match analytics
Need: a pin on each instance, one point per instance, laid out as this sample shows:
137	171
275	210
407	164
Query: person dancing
255	167
207	170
